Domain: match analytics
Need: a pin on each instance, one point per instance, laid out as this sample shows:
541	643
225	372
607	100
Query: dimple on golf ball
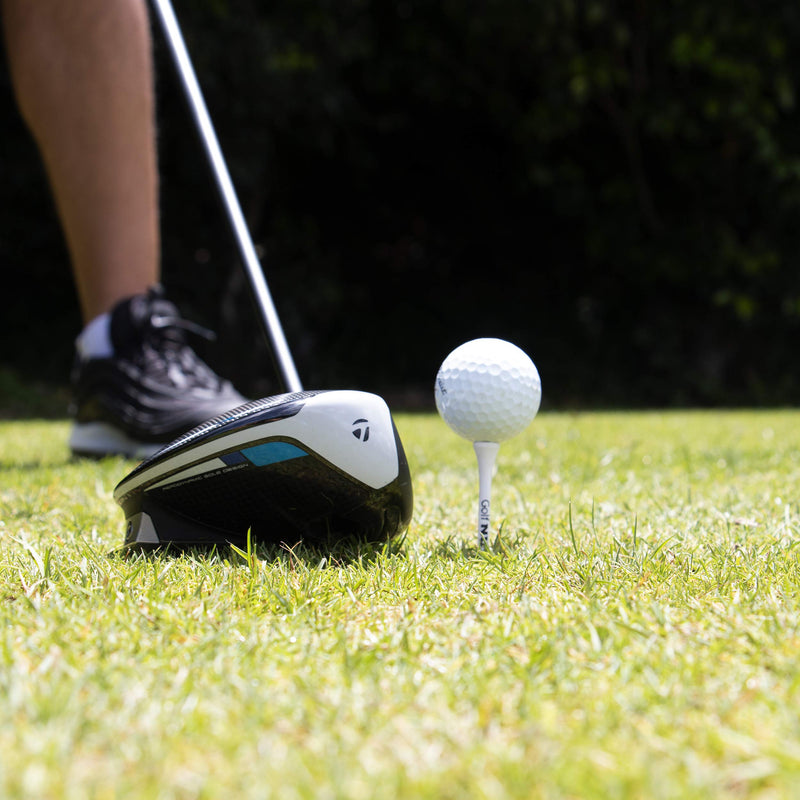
488	390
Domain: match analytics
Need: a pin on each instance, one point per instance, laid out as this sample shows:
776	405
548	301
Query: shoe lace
167	354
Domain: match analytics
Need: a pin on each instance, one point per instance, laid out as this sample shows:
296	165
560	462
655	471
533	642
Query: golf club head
317	466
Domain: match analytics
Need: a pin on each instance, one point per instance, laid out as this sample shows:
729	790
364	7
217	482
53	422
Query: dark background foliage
614	186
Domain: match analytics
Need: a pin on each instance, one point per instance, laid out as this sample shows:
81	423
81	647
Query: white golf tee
487	455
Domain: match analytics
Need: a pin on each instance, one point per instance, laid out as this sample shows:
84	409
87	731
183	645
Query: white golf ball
488	390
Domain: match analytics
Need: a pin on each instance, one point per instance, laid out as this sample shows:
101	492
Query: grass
633	631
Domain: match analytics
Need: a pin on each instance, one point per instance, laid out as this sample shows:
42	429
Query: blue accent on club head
233	458
272	453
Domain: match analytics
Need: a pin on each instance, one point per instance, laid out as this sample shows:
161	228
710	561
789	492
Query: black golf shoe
153	389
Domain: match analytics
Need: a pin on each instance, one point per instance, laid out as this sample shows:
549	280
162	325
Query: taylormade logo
362	431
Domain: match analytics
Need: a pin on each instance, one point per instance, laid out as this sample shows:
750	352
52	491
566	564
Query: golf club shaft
183	64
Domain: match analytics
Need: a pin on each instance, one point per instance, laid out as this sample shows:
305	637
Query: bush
613	186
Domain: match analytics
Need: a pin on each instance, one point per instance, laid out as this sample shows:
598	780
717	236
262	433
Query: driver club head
317	466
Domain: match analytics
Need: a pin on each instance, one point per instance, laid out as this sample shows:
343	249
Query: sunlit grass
632	632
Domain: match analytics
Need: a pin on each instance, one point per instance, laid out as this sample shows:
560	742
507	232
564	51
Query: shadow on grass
9	464
312	554
32	465
458	548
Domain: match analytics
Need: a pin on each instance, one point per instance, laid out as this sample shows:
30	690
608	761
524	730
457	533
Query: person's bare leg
83	76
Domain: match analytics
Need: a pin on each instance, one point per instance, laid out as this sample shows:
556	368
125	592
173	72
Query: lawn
633	632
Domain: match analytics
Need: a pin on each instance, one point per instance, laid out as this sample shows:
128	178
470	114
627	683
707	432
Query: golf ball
488	390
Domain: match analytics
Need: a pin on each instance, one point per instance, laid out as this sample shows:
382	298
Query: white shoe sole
98	439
